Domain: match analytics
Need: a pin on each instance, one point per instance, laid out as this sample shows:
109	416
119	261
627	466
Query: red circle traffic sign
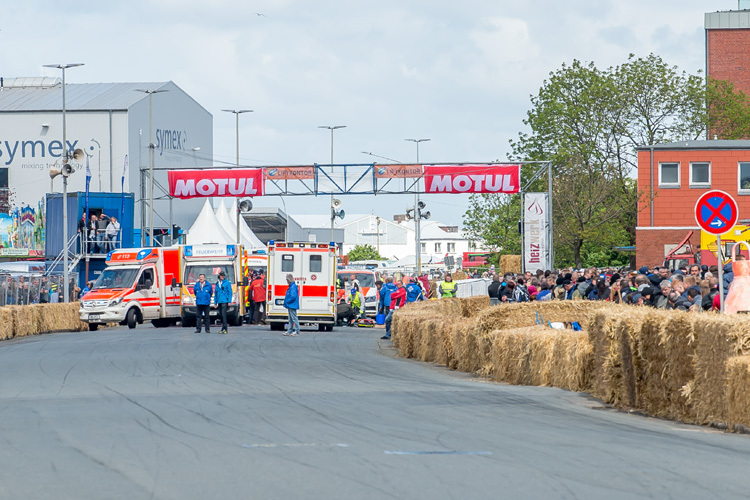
716	212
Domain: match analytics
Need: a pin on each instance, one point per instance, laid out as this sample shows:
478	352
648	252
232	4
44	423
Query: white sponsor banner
535	236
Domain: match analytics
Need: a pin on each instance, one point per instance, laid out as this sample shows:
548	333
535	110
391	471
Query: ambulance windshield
114	277
210	270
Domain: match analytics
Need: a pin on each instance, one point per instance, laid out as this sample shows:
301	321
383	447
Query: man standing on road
222	298
203	292
258	289
398	299
291	302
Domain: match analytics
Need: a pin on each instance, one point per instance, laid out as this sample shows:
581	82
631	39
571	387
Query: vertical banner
122	190
88	181
535	235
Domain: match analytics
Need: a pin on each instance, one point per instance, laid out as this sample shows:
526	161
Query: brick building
672	177
728	46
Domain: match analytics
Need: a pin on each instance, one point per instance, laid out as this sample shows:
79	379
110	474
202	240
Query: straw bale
717	337
470	306
510	264
25	321
459	275
6	324
738	397
518	315
572	361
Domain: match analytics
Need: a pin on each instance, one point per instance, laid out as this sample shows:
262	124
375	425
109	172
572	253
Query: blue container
380	319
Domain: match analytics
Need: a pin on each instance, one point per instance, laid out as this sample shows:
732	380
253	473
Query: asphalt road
166	413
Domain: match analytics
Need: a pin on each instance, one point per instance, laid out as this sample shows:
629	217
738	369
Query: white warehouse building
109	122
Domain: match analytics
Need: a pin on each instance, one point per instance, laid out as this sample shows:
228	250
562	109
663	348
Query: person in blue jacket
413	290
291	302
385	295
203	292
222	298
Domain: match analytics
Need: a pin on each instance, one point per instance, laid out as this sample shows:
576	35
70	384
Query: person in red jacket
398	299
258	290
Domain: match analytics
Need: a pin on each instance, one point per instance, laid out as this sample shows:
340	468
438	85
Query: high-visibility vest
448	288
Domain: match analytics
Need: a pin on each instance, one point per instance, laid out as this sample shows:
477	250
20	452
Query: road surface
170	414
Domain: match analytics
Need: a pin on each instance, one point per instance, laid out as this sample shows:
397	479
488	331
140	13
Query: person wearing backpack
520	292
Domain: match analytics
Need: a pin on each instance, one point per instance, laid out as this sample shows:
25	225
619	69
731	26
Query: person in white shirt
113	231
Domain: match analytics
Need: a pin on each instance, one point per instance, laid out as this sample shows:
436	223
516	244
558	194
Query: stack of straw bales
22	321
510	264
683	366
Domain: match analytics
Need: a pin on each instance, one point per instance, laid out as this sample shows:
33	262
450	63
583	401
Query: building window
437	247
451	248
423	247
700	174
743	178
669	175
472	245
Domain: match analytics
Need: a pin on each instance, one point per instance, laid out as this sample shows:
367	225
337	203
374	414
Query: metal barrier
23	289
101	243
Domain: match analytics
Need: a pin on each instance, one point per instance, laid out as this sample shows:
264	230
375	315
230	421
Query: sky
458	73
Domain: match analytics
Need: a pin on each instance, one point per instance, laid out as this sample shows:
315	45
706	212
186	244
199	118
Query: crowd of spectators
694	288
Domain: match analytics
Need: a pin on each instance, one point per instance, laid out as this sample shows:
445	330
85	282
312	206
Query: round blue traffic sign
716	212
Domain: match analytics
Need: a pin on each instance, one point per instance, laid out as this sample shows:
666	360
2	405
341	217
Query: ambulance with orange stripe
138	284
313	266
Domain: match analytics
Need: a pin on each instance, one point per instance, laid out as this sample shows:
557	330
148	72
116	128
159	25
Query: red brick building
672	177
728	47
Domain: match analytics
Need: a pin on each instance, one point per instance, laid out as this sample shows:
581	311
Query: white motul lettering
222	184
494	183
236	186
508	186
249	189
184	188
205	187
478	180
441	183
462	183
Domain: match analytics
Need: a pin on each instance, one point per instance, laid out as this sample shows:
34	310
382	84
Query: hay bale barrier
35	319
682	366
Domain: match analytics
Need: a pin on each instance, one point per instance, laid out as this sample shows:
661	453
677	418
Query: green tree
588	122
729	111
492	220
364	252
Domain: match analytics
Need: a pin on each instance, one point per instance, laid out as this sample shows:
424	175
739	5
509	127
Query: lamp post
66	152
332	128
417	215
237	113
100	164
151	147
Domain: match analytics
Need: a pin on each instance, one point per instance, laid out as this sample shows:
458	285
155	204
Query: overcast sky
458	73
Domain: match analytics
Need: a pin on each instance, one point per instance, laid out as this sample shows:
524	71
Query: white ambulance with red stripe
138	284
313	266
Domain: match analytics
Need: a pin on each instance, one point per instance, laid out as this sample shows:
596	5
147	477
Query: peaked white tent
207	229
228	222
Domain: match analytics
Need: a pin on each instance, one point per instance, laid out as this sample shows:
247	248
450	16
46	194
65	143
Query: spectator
385	295
694	299
258	290
708	300
93	247
414	291
398	299
202	292
222	298
113	231
728	277
494	290
677	301
447	288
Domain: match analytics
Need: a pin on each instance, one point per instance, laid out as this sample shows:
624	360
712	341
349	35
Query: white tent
229	223
207	229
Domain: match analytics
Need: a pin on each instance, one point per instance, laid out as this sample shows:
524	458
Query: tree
364	252
729	111
589	122
492	219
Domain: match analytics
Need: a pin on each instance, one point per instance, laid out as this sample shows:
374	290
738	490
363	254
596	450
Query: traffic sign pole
721	272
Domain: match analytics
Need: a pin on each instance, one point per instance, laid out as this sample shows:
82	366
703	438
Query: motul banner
472	178
209	183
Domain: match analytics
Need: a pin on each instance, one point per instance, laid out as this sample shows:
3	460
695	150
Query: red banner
208	183
472	178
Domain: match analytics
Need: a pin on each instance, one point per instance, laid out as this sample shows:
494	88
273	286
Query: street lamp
332	128
237	113
417	215
151	147
100	167
66	152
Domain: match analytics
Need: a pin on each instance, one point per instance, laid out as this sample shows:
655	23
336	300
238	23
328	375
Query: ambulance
210	260
313	266
138	284
366	279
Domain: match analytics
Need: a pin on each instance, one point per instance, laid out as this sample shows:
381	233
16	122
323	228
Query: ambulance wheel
276	327
329	328
187	322
160	323
132	318
237	320
93	327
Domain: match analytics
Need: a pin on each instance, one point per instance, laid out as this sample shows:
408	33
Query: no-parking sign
716	212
